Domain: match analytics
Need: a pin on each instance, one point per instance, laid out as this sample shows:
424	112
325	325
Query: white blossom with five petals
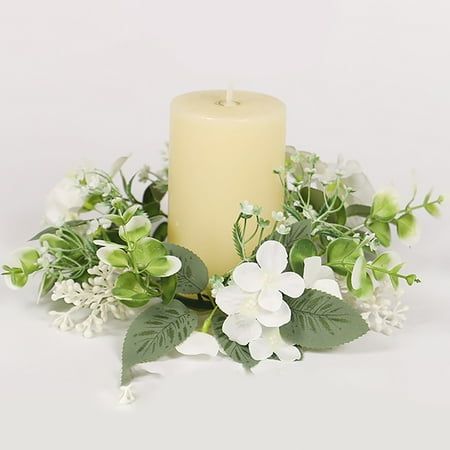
256	297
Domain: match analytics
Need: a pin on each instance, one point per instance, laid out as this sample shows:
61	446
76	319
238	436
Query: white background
91	80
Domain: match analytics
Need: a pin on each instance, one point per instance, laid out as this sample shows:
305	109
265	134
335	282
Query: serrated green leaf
236	352
321	321
154	333
299	230
193	275
238	239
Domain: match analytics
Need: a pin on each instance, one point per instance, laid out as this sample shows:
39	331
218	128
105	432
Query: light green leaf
236	352
147	250
113	256
342	254
383	261
29	260
136	228
406	226
385	206
321	321
302	249
154	333
365	288
382	231
193	275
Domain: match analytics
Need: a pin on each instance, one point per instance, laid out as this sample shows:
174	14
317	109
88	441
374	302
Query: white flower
92	302
64	202
283	229
320	277
256	298
247	208
383	311
340	169
278	216
95	224
271	342
266	278
199	343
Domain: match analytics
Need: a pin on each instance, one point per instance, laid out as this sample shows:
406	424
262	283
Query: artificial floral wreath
318	274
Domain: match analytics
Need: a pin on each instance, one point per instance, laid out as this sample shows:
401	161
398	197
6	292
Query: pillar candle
223	150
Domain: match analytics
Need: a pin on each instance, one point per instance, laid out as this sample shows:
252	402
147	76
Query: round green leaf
302	249
406	226
113	256
382	231
342	254
147	250
384	206
29	260
137	228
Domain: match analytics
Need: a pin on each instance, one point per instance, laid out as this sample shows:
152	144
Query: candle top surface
212	104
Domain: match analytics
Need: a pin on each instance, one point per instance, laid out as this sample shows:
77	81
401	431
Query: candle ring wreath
315	275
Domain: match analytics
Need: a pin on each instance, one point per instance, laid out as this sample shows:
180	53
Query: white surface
91	80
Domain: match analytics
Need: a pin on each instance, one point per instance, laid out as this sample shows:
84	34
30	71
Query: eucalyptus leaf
302	249
193	275
236	352
382	231
155	333
321	321
342	254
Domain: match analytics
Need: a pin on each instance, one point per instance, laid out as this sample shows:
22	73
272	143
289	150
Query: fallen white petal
199	343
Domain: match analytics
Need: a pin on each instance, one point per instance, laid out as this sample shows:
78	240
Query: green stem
207	323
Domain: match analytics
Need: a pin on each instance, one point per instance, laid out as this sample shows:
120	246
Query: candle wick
229	97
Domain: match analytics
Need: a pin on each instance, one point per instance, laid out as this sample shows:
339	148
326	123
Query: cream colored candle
223	150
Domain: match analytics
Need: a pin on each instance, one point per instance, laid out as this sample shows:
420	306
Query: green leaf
299	230
49	230
148	250
29	260
168	288
18	278
193	275
406	226
136	228
238	239
161	232
47	283
358	210
342	255
384	206
152	199
236	352
302	249
382	231
321	321
129	290
365	287
113	256
154	333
